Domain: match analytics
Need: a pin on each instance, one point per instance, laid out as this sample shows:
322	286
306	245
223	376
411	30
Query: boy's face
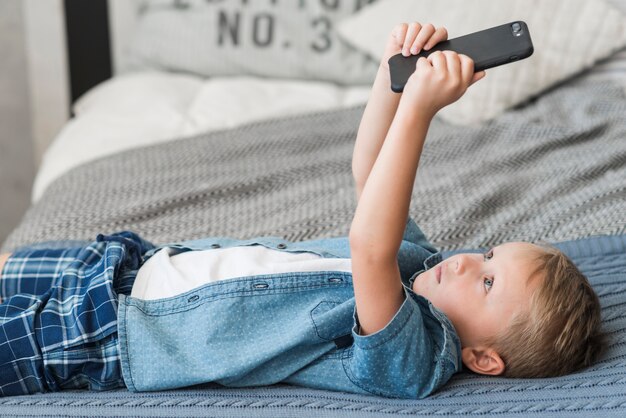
480	293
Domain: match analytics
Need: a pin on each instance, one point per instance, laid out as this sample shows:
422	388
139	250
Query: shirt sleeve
402	359
414	250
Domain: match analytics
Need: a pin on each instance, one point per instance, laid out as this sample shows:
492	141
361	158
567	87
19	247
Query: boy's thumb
478	76
421	61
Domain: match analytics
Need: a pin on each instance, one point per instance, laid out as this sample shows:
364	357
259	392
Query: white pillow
568	37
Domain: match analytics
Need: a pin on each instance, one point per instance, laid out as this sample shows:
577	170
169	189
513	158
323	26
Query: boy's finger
399	32
467	68
422	37
440	35
438	60
422	62
453	62
414	28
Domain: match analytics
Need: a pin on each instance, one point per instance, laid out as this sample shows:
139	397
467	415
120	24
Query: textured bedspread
552	170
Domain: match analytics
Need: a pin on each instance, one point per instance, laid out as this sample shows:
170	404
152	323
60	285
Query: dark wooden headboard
88	44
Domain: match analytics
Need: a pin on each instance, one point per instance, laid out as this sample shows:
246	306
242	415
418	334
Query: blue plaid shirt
59	314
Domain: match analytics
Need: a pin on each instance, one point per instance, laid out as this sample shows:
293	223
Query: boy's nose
462	263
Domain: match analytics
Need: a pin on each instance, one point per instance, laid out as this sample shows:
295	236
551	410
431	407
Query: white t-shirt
163	276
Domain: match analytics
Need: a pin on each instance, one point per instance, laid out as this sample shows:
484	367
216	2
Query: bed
177	156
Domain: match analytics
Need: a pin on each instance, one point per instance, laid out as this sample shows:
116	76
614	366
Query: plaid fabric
58	317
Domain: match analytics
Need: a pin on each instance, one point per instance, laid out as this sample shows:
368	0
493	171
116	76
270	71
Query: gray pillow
268	38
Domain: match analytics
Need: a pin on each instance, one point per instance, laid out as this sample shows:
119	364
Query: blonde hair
560	332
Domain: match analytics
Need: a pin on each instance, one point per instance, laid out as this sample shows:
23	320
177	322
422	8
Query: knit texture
554	170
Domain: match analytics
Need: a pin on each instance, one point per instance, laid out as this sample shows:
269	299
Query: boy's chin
418	287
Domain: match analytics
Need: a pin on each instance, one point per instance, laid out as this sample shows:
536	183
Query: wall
34	97
17	163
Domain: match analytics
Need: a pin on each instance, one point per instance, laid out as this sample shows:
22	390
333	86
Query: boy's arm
380	218
377	116
381	213
383	102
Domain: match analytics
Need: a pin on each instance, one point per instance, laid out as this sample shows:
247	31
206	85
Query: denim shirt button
281	246
215	246
260	285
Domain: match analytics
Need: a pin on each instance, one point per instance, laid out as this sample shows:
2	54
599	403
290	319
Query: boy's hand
410	39
438	80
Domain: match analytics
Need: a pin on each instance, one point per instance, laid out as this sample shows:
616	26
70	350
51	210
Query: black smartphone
488	48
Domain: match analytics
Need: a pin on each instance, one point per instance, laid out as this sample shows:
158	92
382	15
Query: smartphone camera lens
517	29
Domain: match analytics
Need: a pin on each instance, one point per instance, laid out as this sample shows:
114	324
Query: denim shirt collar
451	341
430	262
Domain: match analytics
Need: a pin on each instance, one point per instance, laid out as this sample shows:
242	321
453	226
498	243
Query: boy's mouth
438	273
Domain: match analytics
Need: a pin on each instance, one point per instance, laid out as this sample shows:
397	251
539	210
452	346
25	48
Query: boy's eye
488	283
488	255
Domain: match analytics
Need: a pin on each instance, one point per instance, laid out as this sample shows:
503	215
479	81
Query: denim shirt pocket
333	319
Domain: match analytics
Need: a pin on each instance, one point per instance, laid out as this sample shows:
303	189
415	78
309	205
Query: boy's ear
483	360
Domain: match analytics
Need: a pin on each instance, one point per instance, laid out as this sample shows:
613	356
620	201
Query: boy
359	314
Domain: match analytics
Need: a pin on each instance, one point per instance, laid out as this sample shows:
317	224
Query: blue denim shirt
299	328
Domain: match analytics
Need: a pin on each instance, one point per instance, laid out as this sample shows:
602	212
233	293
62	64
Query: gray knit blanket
551	170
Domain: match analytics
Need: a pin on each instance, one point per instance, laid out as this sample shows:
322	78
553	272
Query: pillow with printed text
293	39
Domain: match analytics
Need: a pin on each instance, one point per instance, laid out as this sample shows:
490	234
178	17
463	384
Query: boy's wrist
415	111
383	76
